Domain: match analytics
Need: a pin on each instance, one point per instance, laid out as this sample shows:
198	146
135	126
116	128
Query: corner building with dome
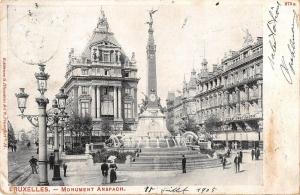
102	82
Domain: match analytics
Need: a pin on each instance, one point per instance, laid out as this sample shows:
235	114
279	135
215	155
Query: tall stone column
119	103
98	102
43	171
93	103
115	103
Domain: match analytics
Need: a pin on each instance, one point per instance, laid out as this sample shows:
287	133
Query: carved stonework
42	101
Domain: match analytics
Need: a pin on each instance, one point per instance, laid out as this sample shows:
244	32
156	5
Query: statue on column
151	12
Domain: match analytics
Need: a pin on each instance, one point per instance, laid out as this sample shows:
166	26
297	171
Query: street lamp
62	98
22	99
62	102
39	120
42	78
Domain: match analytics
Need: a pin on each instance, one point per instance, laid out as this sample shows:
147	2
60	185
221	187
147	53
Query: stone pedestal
152	123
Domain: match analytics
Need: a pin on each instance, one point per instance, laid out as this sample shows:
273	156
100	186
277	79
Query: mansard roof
98	36
101	34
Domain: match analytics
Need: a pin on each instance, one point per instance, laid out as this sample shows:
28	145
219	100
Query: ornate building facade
102	82
231	94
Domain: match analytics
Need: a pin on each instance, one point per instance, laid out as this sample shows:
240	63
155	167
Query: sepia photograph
111	94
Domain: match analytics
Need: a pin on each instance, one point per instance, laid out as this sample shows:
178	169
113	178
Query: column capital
42	101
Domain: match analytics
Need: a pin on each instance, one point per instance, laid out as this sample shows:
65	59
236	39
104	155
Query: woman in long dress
113	174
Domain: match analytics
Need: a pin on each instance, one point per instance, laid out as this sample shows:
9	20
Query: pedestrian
15	148
37	150
241	155
113	172
51	161
33	164
183	164
12	148
224	162
252	153
28	145
237	163
258	153
65	166
104	169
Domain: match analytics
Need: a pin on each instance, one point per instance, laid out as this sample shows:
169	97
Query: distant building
231	94
102	82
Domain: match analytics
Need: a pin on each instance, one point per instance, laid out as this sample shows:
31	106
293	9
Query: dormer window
106	57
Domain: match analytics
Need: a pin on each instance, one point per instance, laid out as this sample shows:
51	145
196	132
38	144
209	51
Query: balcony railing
244	60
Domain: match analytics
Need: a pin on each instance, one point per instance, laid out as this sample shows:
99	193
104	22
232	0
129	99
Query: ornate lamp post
62	102
59	105
56	171
39	120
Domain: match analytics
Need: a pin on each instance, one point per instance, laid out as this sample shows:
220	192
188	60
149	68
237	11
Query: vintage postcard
149	97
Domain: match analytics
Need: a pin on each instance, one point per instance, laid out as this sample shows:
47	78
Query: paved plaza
90	175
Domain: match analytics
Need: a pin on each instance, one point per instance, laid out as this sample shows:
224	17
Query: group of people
33	164
238	159
13	147
105	169
255	153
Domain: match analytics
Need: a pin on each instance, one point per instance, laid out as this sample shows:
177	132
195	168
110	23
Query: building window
98	70
84	71
127	110
126	74
84	90
106	57
127	91
105	72
84	108
105	91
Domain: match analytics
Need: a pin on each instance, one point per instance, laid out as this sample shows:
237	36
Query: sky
45	33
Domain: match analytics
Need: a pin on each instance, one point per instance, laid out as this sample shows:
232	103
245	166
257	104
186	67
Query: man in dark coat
224	162
257	153
241	156
51	160
183	164
104	169
237	163
252	153
65	166
33	163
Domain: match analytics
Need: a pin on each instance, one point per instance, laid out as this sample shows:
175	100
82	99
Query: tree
11	134
212	123
187	124
80	126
